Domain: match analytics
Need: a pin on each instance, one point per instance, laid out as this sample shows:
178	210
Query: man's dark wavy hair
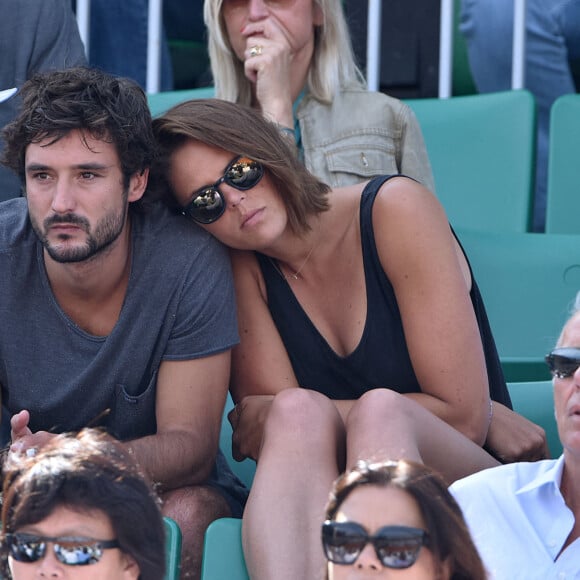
106	107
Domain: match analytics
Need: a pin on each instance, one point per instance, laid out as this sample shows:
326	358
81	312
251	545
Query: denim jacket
359	135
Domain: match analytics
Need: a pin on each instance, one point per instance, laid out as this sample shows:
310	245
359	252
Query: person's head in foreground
80	508
396	519
564	362
213	154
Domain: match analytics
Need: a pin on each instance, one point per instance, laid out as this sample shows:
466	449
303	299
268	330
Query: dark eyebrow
81	166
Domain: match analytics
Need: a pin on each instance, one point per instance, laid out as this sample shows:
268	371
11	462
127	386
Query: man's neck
92	292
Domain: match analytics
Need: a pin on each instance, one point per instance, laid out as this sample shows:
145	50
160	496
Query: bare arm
431	281
190	400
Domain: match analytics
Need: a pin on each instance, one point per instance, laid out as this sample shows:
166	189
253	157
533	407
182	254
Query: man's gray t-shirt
179	305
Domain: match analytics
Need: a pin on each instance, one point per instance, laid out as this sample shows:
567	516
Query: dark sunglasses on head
563	361
30	548
395	546
208	203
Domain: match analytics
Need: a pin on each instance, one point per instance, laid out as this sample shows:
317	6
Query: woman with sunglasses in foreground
361	296
396	518
525	517
80	508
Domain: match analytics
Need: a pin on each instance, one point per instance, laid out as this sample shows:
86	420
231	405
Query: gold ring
256	50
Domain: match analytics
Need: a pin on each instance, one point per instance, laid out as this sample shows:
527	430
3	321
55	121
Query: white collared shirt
519	521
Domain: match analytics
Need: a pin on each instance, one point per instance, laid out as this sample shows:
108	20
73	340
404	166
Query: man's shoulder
163	236
14	222
161	223
497	479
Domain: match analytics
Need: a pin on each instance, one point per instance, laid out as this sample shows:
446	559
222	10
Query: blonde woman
293	60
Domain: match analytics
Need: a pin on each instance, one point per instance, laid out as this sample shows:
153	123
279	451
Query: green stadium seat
563	193
223	557
172	549
529	283
482	153
161	102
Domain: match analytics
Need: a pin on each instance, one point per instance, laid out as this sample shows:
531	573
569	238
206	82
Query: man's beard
107	230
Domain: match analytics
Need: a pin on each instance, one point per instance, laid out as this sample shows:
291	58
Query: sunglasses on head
71	551
208	203
395	546
563	361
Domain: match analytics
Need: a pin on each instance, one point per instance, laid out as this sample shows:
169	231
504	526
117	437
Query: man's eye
40	176
88	175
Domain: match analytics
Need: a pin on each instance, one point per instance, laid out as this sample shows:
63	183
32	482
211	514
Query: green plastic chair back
462	81
528	283
563	197
223	557
243	469
161	102
482	153
172	549
535	401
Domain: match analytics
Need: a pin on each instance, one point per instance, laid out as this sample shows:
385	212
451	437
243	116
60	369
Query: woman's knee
378	405
301	413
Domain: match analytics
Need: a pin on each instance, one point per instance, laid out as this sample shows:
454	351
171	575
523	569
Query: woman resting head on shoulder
396	519
359	322
80	508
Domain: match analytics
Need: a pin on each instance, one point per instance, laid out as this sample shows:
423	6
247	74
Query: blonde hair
333	65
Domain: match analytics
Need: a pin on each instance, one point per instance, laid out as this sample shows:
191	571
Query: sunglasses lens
398	553
74	554
343	542
244	173
563	362
207	206
23	550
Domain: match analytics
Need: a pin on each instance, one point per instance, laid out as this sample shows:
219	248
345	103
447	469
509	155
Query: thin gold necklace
296	274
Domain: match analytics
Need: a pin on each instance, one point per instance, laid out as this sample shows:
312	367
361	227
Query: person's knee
199	504
300	414
377	405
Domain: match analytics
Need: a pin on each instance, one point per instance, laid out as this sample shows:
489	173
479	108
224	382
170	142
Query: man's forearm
174	459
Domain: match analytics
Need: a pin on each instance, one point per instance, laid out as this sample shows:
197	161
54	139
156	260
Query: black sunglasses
208	203
563	361
30	548
396	546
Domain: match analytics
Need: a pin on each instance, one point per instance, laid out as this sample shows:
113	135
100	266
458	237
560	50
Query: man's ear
138	184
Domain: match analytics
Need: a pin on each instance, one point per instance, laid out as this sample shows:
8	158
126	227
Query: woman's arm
260	365
431	281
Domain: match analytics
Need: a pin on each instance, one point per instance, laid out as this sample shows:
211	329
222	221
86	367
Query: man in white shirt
525	517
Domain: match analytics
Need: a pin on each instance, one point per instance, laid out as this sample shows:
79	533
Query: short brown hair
242	131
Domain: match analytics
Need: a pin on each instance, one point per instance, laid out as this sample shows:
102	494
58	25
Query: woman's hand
268	56
512	437
247	419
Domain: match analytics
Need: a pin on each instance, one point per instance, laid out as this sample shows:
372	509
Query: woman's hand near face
269	70
512	437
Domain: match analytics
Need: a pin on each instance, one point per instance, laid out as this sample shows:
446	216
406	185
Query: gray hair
333	65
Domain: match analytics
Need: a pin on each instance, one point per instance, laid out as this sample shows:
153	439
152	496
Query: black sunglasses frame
394	538
193	211
15	544
563	361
